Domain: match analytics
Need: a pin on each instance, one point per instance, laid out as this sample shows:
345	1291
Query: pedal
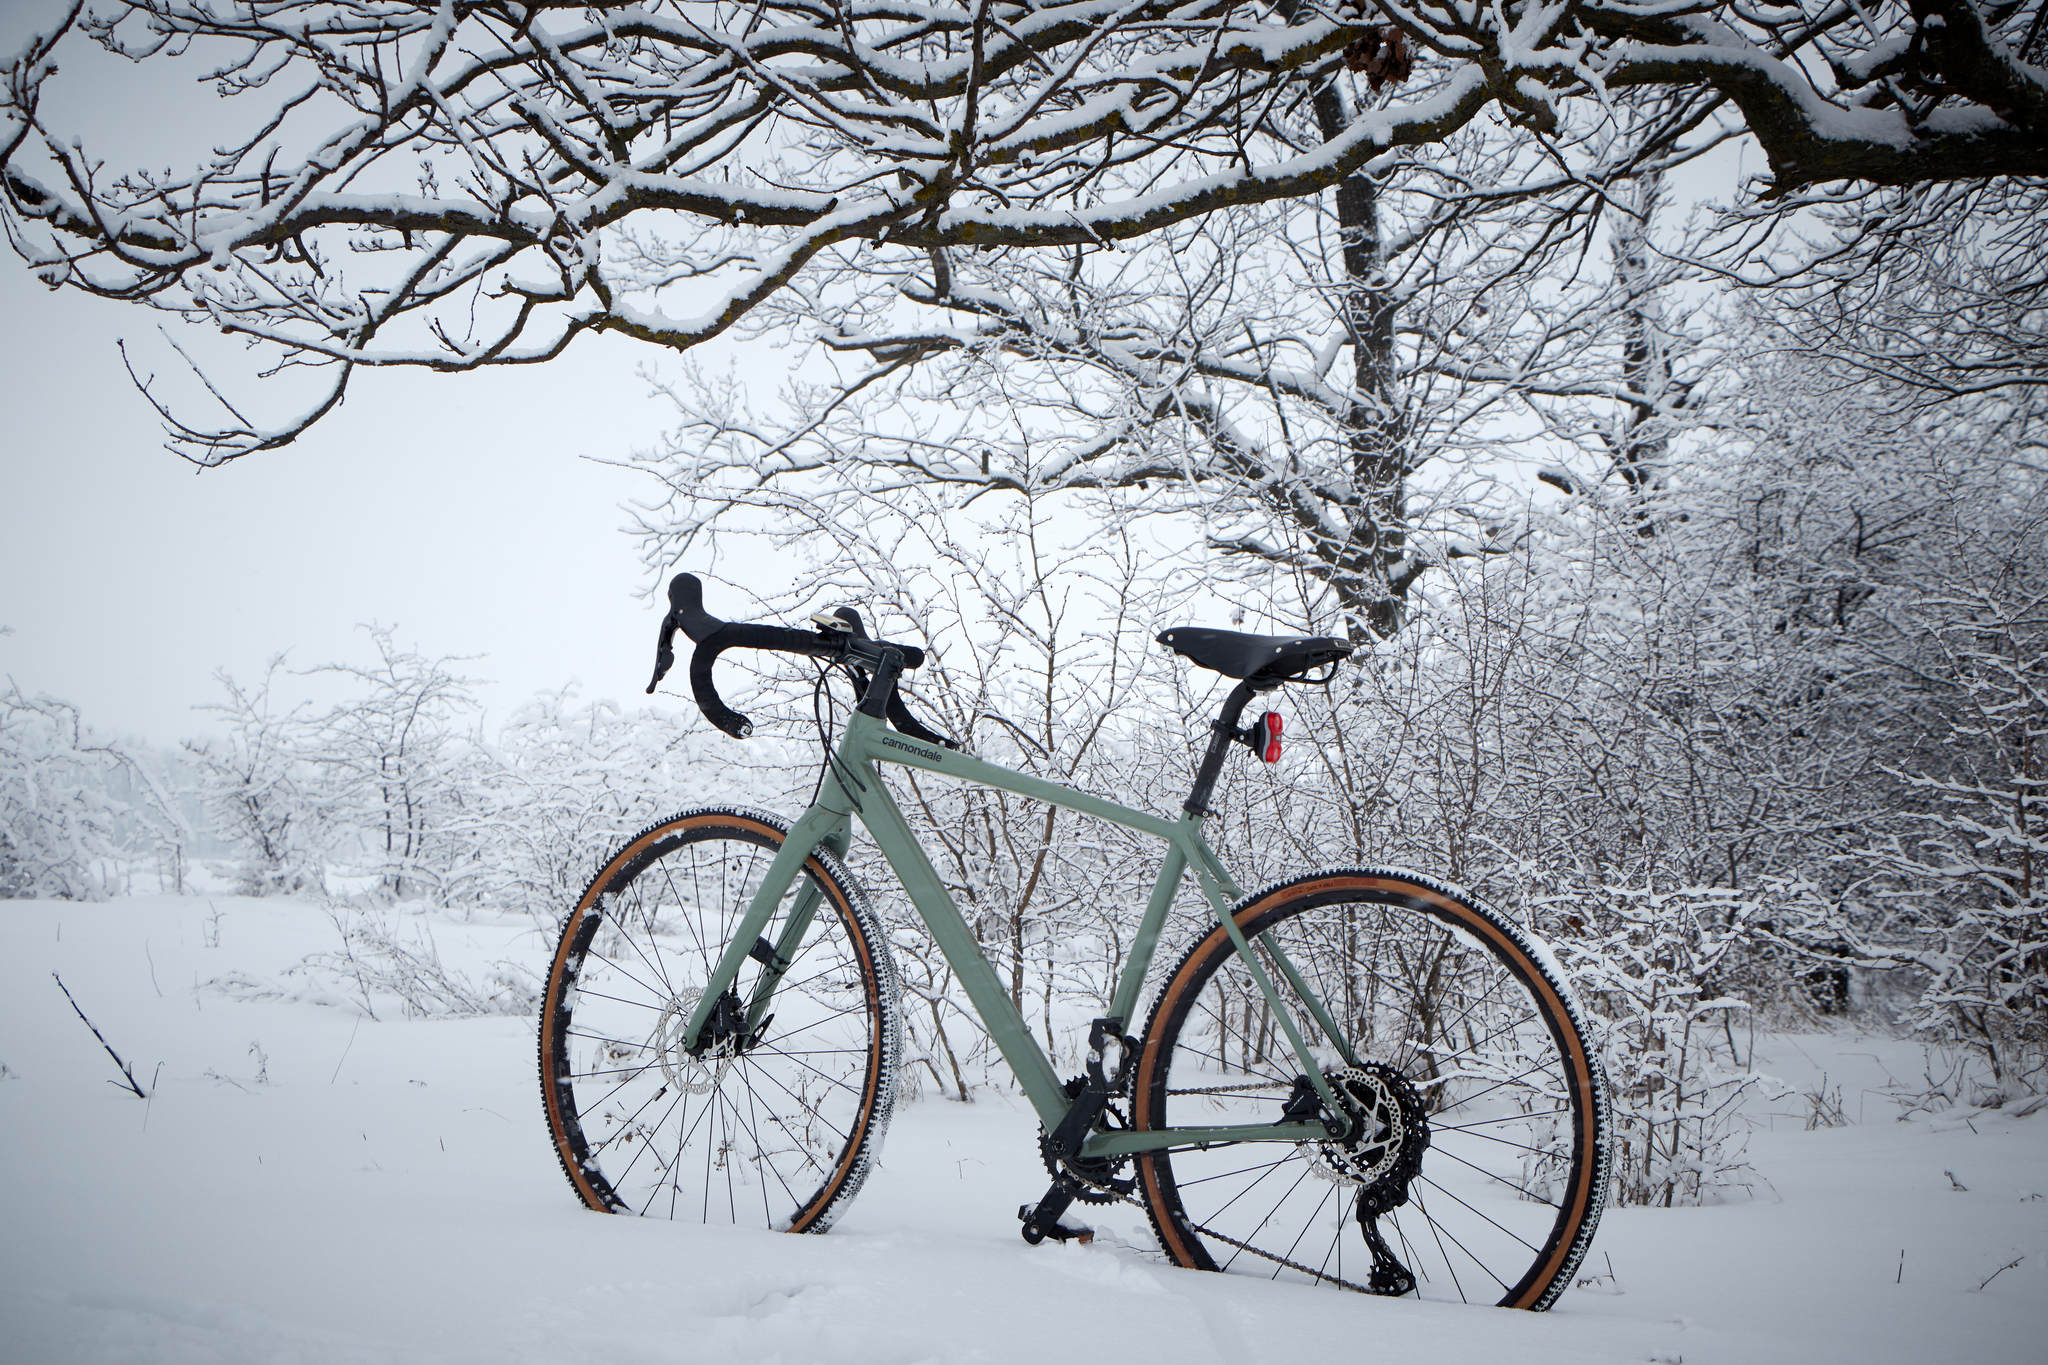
1036	1232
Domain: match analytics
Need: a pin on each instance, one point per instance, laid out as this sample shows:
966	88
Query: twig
2000	1271
133	1085
344	1052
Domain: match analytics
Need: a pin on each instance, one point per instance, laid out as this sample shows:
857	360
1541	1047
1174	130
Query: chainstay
1260	1252
1134	1201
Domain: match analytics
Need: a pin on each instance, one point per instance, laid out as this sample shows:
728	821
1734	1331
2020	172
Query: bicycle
1351	1052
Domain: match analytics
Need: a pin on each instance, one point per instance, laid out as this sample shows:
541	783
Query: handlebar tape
713	637
745	635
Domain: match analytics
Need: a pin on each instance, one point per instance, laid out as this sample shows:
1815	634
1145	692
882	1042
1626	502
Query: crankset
1091	1180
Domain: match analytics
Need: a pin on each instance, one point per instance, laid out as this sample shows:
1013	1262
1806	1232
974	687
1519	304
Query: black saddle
1262	660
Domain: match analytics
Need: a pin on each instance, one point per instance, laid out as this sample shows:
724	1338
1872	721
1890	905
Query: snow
308	1185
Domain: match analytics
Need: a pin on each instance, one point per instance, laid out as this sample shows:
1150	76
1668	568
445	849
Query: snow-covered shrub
1958	884
1898	551
564	782
258	789
60	825
1645	964
387	961
1567	734
1032	643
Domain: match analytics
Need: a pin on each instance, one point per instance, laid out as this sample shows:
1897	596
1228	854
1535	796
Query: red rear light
1268	731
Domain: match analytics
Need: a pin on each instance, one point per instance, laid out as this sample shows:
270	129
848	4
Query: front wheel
773	1120
1475	1164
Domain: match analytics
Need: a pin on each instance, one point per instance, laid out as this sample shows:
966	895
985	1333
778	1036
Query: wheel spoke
1433	997
770	1115
592	952
1494	1175
1440	1228
1242	1170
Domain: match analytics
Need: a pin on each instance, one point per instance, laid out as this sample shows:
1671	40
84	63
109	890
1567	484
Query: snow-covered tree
257	789
409	182
1336	387
388	760
1924	295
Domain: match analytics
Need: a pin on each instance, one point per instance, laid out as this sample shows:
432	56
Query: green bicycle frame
853	786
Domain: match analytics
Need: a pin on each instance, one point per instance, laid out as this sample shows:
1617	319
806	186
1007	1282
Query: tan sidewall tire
864	935
1550	1272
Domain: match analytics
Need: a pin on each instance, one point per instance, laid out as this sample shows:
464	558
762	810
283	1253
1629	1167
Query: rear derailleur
1380	1154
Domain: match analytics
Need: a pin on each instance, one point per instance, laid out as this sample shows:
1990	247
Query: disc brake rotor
1388	1132
691	1075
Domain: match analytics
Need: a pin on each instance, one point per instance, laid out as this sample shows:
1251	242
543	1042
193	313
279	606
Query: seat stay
1257	971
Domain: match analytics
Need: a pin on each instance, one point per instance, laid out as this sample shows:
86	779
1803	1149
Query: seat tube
1139	959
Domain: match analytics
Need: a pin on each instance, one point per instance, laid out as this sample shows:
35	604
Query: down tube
927	892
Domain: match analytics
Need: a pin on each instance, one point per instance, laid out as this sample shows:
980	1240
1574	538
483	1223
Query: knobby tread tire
1400	893
879	985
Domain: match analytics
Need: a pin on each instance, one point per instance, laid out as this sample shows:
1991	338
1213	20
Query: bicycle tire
1476	1019
779	1132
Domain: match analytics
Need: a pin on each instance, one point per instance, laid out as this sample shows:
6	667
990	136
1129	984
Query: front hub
698	1069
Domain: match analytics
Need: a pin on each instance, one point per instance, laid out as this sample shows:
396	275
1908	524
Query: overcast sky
455	508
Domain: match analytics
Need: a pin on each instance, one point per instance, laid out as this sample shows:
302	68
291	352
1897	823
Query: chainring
1100	1178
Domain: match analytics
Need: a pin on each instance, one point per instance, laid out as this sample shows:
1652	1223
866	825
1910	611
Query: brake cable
825	714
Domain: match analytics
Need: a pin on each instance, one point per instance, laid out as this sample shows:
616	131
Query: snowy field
305	1185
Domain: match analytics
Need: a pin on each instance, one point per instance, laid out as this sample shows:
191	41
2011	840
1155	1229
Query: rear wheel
1477	1156
773	1125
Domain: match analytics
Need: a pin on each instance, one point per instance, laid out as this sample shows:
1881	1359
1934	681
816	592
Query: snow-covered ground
306	1185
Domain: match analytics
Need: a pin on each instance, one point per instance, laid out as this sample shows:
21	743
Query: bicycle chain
1135	1202
1247	1246
1231	1089
1282	1260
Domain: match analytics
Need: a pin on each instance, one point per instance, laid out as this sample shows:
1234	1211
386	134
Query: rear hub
1388	1136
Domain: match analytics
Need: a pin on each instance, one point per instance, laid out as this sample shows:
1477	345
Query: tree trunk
1370	570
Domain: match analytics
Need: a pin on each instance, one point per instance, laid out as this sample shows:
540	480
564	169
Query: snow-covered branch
402	182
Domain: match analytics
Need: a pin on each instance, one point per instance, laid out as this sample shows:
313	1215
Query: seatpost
1221	734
